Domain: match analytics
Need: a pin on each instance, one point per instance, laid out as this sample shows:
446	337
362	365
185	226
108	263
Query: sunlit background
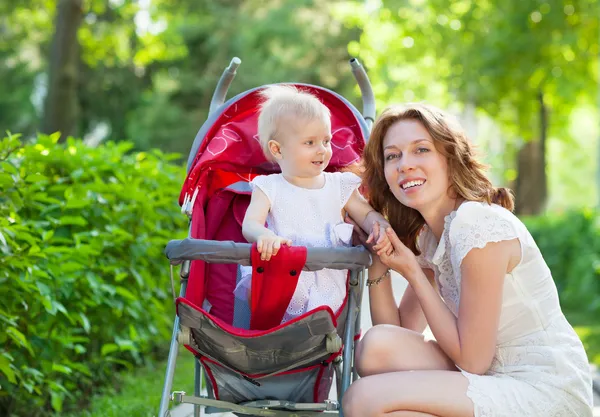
83	222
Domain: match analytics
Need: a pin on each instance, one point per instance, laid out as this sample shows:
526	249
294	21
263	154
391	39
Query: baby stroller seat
253	364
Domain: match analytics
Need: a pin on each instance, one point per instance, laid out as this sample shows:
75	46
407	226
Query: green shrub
570	243
85	285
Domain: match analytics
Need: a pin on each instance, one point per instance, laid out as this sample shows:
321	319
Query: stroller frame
354	259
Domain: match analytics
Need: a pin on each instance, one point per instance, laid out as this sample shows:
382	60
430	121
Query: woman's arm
410	311
383	304
470	340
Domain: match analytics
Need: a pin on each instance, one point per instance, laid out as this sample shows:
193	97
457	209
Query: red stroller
253	365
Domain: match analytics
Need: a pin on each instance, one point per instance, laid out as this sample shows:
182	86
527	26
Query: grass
588	330
140	390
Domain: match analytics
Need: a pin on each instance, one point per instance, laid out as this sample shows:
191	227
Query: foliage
570	243
85	287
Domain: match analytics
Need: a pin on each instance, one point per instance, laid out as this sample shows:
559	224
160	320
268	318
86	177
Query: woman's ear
275	149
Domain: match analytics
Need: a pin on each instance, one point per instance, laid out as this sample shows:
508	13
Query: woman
476	277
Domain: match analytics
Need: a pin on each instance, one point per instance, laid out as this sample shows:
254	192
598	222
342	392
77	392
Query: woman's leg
430	393
388	348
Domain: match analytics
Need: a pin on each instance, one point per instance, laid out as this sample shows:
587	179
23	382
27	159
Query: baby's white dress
311	218
540	368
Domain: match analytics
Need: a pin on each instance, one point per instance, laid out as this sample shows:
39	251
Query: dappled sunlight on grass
137	394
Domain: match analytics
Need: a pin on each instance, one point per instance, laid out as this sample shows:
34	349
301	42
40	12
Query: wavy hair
467	175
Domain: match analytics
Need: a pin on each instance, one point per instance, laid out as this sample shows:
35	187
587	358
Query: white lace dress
540	368
311	218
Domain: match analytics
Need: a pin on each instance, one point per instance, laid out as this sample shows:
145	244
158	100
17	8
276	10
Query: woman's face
415	171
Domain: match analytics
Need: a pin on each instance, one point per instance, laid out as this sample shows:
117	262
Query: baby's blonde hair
281	101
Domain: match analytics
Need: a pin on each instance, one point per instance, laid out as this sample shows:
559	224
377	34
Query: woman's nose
405	164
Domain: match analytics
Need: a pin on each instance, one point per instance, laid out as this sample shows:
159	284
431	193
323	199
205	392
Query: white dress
311	218
540	368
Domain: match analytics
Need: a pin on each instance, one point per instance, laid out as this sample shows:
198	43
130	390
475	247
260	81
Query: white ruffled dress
540	368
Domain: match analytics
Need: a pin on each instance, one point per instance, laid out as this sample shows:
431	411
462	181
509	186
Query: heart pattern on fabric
217	146
350	138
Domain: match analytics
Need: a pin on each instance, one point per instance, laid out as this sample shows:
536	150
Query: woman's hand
401	259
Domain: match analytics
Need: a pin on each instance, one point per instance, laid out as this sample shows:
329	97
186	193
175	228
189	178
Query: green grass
140	390
588	330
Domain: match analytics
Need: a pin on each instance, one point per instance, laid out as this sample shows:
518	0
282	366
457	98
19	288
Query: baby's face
305	148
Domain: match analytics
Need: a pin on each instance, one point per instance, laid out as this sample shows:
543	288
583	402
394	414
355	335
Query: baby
303	205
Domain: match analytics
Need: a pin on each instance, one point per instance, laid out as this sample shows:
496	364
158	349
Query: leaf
57	400
109	348
73	220
85	322
62	369
19	337
126	293
6	370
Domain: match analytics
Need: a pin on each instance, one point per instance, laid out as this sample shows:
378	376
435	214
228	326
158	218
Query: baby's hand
383	245
269	245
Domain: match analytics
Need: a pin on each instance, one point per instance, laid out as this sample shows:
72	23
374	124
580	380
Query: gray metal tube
173	351
228	252
366	91
349	338
227	77
197	385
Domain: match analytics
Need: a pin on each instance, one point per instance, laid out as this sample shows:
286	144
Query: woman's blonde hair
467	174
282	105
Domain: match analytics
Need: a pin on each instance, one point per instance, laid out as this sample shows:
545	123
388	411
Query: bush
85	285
570	243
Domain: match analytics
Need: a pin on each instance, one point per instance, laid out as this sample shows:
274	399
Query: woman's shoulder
481	219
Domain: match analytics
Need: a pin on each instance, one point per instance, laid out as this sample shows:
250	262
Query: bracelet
378	280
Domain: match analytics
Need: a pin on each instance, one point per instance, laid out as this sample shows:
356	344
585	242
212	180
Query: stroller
248	362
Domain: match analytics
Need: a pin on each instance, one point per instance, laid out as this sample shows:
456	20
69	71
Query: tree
61	108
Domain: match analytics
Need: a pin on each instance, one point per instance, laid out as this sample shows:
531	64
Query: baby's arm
366	217
254	230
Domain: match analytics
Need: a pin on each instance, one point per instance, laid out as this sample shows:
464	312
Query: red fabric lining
317	385
212	378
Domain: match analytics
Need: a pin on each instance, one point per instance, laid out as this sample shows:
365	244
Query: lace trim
478	226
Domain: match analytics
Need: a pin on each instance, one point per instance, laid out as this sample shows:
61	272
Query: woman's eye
421	150
390	156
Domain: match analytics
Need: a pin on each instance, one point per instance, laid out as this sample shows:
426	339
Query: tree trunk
61	107
531	187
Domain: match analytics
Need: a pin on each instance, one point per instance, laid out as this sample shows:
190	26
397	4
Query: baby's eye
326	142
308	142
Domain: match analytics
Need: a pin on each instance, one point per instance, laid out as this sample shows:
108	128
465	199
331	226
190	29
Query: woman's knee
388	348
379	348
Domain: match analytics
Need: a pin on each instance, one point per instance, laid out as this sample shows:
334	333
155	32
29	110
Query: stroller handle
227	77
228	252
366	91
